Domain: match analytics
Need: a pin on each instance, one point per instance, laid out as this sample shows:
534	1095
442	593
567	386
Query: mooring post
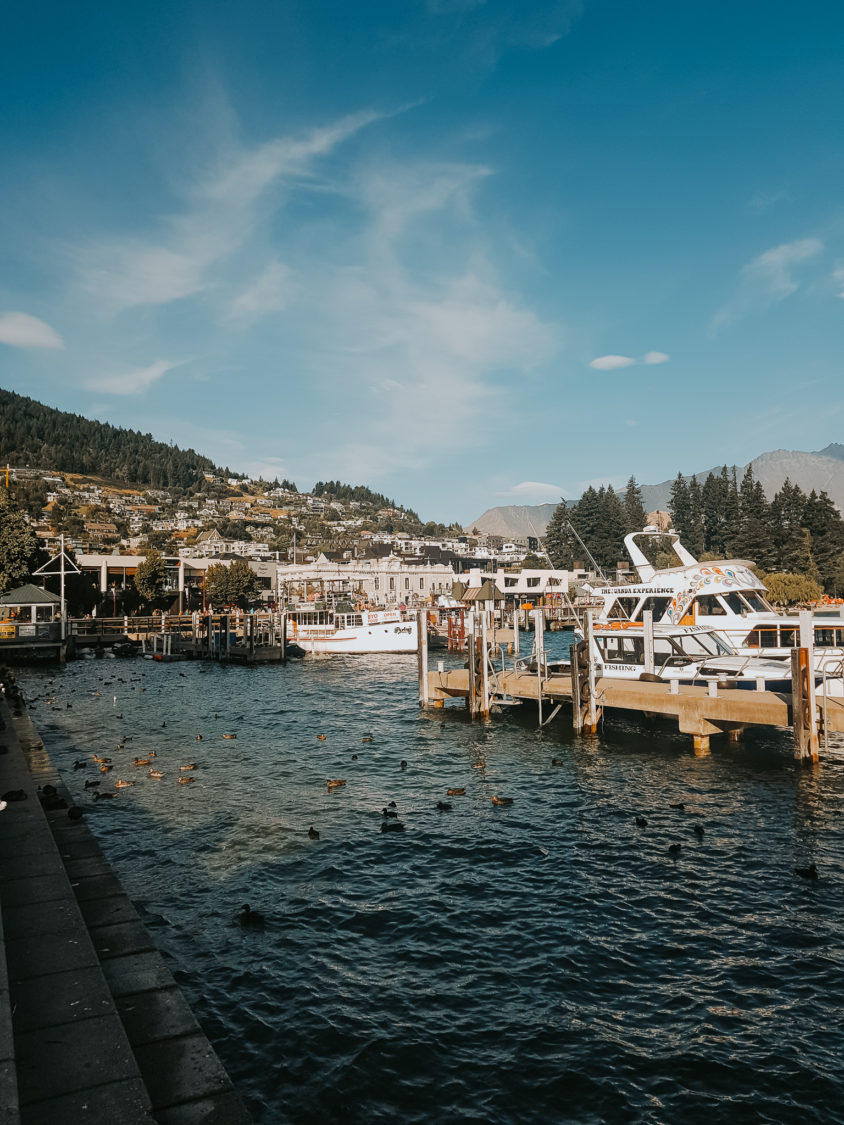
422	656
484	666
515	633
802	706
539	649
284	636
576	706
648	630
592	721
472	653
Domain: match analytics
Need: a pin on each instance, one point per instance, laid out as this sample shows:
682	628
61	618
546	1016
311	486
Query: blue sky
467	252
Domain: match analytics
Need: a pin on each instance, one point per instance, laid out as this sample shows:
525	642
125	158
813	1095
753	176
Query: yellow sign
7	629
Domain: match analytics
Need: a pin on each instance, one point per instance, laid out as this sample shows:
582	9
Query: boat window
768	637
657	606
622	649
755	602
825	638
788	637
735	603
697	645
752	639
667	655
622	609
712	606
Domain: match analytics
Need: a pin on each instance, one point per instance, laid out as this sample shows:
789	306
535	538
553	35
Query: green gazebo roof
29	595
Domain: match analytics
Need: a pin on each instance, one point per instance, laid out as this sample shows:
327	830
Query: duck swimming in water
502	800
156	773
187	768
455	793
641	822
392	826
810	872
321	737
119	784
443	806
312	833
186	780
335	783
250	917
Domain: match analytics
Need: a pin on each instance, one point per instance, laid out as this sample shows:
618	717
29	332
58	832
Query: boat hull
390	637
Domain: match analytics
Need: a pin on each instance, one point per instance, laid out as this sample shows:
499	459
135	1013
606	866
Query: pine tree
634	509
714	503
559	542
678	506
695	535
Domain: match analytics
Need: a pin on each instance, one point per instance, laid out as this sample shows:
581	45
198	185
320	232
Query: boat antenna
595	565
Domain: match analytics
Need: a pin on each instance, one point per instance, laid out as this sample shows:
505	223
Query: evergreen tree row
794	533
39	436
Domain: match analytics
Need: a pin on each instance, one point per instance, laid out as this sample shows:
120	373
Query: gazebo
29	605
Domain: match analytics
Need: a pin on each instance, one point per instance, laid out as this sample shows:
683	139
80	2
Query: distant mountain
515	520
821	471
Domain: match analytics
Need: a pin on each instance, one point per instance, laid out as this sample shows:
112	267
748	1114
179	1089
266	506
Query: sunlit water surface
548	961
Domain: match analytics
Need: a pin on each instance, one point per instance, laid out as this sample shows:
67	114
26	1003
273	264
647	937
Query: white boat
691	654
327	630
725	596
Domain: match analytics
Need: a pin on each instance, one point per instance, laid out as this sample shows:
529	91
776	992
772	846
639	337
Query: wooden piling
804	722
422	656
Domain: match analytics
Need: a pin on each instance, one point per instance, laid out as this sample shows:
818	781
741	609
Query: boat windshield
697	646
754	601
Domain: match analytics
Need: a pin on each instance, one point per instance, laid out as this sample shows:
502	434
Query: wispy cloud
767	279
132	382
533	491
270	292
219	218
20	330
613	362
838	280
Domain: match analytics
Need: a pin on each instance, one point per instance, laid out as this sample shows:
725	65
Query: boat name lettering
618	591
403	629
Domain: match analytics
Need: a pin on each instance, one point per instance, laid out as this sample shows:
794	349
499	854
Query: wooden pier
486	686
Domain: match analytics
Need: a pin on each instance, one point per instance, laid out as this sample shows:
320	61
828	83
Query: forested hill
39	436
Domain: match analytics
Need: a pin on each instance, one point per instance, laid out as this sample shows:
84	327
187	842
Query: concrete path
93	1028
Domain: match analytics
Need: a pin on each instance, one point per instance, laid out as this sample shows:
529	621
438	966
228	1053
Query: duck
91	784
250	917
97	758
502	800
675	848
354	757
481	765
142	761
678	805
455	792
105	769
80	765
187	768
228	735
641	822
156	773
698	830
335	783
443	806
389	813
810	872
199	738
186	780
367	738
321	737
391	805
312	833
120	784
392	826
403	764
103	796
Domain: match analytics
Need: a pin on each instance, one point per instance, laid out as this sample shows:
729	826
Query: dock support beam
803	716
422	656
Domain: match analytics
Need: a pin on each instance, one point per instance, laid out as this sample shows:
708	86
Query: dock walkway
93	1027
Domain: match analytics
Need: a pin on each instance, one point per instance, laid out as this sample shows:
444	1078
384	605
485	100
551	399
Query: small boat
368	631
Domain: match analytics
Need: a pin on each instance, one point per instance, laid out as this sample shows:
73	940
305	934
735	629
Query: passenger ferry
725	596
329	630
